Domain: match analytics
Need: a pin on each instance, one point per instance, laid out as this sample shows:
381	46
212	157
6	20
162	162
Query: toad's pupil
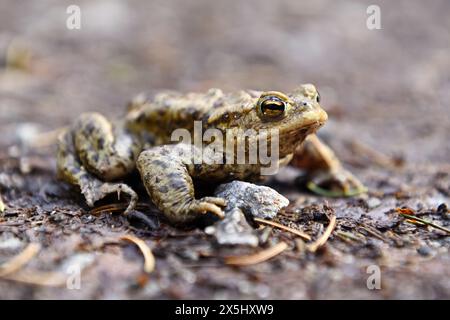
272	107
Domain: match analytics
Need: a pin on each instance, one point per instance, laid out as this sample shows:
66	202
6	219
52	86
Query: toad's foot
167	173
95	190
335	183
326	173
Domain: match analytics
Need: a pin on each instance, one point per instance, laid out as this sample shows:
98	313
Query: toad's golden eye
271	107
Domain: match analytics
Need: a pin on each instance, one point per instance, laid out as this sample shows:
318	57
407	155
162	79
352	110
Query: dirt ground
387	93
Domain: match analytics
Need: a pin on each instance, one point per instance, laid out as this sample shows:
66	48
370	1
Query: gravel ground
387	93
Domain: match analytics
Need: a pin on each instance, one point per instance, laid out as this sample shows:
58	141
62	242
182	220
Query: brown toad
96	154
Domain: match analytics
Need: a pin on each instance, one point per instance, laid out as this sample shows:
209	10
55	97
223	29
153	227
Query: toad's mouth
315	118
305	130
291	135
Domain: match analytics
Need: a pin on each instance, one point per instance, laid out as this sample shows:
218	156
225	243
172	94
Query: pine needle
2	205
117	207
283	227
374	233
346	236
324	237
258	257
149	259
20	260
40	278
414	218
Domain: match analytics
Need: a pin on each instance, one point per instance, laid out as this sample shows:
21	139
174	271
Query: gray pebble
243	199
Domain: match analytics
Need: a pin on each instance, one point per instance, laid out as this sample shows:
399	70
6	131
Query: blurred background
387	93
388	88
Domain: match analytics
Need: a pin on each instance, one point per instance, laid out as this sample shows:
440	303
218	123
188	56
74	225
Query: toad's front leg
326	174
167	175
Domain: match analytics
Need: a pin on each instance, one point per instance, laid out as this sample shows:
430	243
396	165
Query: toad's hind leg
167	175
90	153
108	152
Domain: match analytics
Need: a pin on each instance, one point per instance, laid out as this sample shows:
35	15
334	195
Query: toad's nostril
306	106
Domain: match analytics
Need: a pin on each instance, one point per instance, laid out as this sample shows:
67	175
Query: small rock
443	211
259	201
88	218
373	202
234	230
10	243
57	217
27	132
244	198
425	251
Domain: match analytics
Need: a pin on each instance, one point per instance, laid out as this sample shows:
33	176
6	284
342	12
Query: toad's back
169	111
